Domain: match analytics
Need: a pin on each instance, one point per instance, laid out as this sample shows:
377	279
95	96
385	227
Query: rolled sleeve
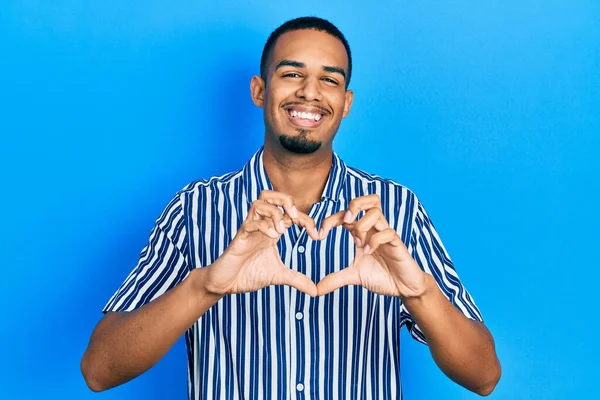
162	265
430	254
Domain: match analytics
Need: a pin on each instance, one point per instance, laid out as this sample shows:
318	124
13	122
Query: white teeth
304	115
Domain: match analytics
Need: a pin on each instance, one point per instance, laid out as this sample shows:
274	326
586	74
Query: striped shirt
278	343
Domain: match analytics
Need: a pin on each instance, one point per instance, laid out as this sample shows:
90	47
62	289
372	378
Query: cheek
274	103
337	98
340	104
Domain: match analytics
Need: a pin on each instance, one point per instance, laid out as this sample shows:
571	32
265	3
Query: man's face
304	97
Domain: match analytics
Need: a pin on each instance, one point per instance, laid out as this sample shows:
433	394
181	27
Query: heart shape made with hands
382	263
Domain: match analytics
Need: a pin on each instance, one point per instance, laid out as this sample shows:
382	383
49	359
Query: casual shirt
279	343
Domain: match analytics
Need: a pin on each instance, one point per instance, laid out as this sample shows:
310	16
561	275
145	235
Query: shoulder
202	191
386	188
205	186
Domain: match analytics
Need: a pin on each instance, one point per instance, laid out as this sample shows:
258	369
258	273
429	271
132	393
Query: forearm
463	349
126	344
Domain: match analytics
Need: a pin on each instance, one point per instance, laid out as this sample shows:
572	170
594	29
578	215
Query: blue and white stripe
279	343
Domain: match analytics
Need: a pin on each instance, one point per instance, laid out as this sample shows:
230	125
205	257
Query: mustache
298	103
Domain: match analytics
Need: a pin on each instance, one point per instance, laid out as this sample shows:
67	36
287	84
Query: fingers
281	200
359	204
373	219
308	223
268	208
263	226
264	211
335	280
387	236
331	222
299	218
296	280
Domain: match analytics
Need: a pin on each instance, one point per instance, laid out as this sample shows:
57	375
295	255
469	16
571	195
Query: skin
311	87
305	73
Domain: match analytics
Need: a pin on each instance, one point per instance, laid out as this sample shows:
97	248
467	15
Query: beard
299	144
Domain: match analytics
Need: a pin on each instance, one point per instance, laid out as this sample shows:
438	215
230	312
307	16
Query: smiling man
292	277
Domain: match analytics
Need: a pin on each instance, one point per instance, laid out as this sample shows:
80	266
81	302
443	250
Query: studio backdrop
489	112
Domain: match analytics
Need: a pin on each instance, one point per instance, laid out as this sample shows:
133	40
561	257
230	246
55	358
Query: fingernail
294	212
322	233
357	241
281	226
348	217
367	249
272	232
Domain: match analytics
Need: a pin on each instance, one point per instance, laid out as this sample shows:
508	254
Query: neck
302	176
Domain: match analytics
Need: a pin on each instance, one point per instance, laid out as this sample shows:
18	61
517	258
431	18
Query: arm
126	344
462	348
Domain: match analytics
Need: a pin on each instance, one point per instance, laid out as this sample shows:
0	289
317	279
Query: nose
309	90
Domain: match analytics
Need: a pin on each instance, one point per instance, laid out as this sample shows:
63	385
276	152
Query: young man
292	277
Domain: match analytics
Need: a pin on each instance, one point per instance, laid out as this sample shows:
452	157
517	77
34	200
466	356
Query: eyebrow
298	64
335	70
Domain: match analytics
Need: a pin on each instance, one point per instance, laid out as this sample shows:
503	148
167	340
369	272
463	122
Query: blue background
489	112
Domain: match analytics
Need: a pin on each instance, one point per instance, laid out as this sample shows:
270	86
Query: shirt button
299	316
301	249
300	387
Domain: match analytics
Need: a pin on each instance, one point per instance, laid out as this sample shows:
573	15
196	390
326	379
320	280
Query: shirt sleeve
162	265
430	254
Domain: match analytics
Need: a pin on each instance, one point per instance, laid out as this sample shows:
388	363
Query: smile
305	117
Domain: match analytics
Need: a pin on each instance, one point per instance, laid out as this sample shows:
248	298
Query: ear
257	90
348	103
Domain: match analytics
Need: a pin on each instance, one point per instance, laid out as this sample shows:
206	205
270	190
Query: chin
299	143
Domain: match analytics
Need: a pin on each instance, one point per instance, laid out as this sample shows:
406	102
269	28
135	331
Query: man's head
305	71
301	23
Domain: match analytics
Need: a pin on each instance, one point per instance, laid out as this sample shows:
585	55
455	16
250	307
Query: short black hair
301	23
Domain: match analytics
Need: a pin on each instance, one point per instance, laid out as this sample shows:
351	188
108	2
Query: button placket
300	250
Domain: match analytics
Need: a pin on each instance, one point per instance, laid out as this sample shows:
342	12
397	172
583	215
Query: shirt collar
256	179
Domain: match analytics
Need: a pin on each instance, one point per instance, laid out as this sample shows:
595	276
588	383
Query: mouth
310	117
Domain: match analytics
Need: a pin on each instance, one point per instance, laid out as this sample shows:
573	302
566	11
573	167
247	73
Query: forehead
312	47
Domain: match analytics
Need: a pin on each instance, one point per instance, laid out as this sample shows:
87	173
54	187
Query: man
292	277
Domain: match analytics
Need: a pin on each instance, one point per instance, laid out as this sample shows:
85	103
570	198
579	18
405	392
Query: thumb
334	281
296	280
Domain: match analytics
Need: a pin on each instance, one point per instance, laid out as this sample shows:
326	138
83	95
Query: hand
251	261
382	263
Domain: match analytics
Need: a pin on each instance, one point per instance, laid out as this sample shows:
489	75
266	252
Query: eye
329	80
291	75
